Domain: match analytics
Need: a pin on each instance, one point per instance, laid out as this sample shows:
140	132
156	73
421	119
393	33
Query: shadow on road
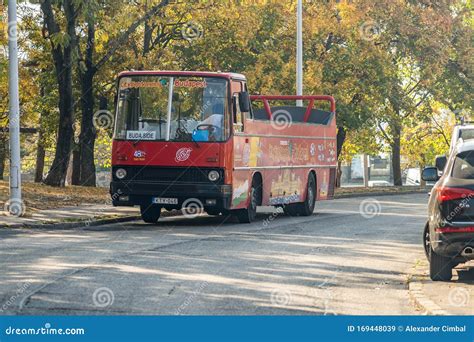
466	275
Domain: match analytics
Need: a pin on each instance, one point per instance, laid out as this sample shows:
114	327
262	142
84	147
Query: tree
412	37
63	43
88	66
427	135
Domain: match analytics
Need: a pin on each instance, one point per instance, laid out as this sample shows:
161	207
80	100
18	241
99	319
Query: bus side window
238	117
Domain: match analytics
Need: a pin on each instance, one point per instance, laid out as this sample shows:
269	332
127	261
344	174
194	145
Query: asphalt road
351	257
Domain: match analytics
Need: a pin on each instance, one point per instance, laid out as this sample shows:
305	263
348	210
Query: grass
39	196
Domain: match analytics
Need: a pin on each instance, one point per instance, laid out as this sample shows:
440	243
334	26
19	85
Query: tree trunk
40	151
3	155
422	182
396	164
341	138
88	131
63	59
339	174
40	155
76	167
57	173
146	37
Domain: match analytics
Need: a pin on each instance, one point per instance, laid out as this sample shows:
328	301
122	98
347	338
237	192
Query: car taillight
455	230
450	194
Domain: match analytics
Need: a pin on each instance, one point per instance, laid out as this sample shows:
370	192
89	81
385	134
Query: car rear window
464	165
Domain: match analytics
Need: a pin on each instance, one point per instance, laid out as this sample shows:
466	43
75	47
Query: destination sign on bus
141	135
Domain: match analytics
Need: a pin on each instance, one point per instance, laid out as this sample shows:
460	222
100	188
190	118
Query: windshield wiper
196	143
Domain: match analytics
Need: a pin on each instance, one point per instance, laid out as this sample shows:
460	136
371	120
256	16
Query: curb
381	193
417	295
86	222
72	225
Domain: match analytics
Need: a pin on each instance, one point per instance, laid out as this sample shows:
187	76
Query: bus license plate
165	200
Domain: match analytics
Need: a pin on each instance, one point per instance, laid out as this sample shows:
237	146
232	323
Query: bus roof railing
311	98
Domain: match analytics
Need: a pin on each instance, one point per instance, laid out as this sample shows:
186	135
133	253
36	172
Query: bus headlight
121	173
213	175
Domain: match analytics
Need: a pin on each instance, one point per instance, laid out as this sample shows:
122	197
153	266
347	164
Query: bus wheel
307	207
291	209
150	213
249	214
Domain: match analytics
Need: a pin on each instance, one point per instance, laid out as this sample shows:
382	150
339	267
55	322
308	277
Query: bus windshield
172	108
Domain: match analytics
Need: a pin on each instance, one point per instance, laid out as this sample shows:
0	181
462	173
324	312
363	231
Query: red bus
198	141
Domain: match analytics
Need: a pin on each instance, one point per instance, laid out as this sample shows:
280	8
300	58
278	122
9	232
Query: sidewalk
455	297
82	215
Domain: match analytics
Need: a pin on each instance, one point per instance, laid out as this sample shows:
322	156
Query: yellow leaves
348	13
101	39
360	142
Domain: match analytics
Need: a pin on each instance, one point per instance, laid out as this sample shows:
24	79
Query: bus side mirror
441	162
244	102
430	174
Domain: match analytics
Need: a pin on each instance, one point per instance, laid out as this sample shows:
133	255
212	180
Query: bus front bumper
132	193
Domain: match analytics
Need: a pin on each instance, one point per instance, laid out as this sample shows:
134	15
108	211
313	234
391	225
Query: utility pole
299	51
14	126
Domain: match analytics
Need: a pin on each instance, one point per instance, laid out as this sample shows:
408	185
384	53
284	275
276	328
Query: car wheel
426	240
441	268
249	214
150	213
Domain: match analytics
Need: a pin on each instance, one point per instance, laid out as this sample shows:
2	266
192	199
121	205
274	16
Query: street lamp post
299	51
14	126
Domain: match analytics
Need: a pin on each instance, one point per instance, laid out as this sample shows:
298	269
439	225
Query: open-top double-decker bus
198	140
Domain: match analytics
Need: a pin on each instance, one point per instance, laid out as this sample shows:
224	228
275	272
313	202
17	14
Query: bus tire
248	215
150	213
291	209
307	207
